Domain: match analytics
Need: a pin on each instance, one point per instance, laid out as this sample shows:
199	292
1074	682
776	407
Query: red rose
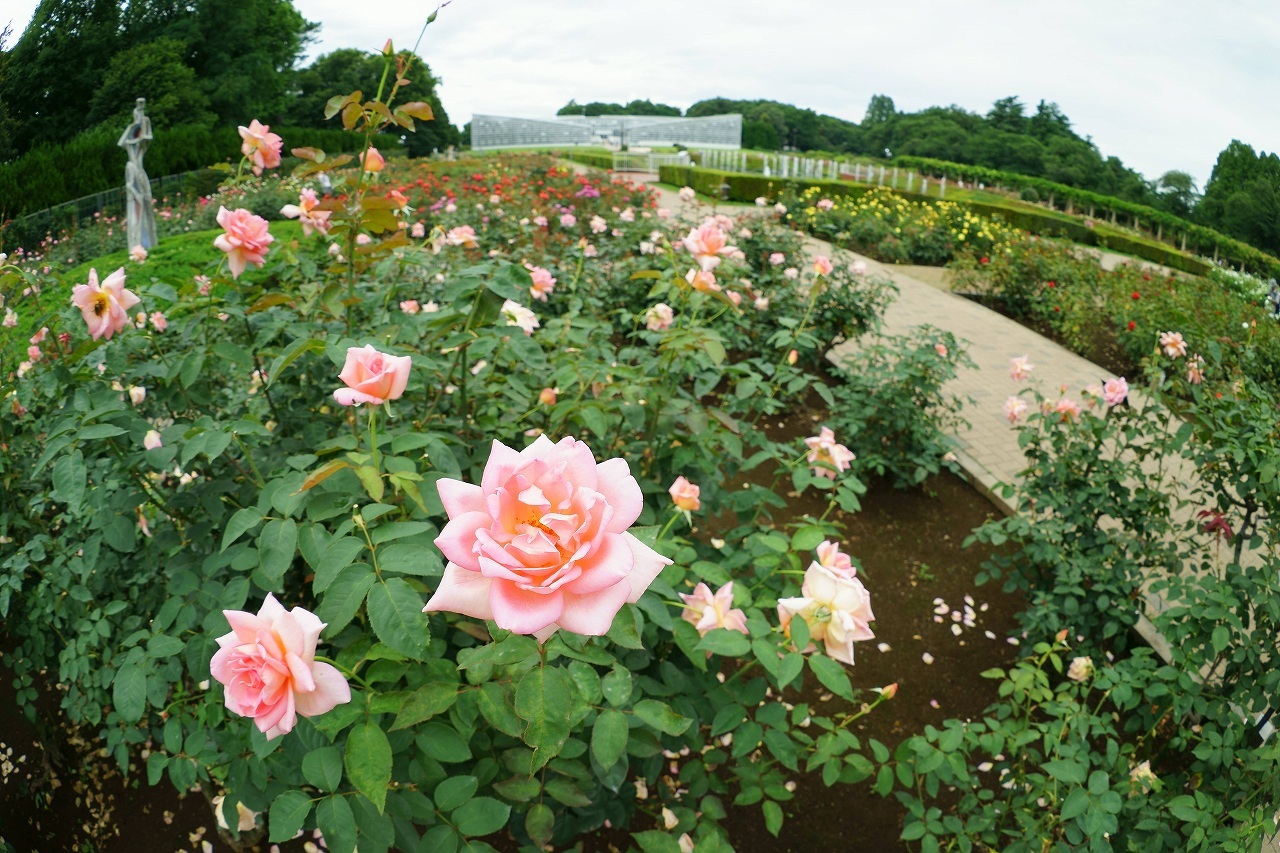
1135	296
1132	325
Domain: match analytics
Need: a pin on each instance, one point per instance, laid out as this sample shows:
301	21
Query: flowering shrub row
443	548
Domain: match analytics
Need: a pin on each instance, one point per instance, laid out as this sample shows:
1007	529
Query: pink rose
418	231
1114	391
267	665
703	280
152	440
106	308
1014	409
830	557
685	495
1173	344
260	146
138	254
826	456
542	542
707	243
463	235
305	212
838	610
372	377
568	220
246	240
1067	409
372	161
1195	369
547	397
543	282
706	611
659	317
777	259
410	306
825	204
940	349
1020	368
822	265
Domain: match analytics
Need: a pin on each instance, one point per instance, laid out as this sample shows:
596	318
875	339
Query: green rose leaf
368	761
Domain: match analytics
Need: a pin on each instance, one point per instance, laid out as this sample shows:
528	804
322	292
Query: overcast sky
1162	85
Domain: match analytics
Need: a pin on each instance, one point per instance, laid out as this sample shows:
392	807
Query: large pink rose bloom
542	542
267	664
246	240
106	307
372	377
260	145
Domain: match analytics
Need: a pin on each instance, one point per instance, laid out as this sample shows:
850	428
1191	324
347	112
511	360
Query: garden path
988	447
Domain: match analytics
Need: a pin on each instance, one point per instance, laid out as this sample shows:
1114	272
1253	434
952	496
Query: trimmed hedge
587	158
1200	239
746	187
92	162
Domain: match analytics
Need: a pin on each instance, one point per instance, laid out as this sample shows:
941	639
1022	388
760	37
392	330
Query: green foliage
154	70
635	107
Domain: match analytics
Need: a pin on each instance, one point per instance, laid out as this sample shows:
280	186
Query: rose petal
593	614
461	591
458	539
621	491
459	497
331	689
523	611
647	566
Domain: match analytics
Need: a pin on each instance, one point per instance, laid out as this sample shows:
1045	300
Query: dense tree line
80	64
634	108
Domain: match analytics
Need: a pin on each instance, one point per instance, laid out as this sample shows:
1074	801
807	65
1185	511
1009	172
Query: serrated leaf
540	823
243	521
424	703
454	791
323	768
129	692
544	700
277	545
772	817
291	354
609	737
372	481
368	762
661	717
288	812
725	641
395	614
481	816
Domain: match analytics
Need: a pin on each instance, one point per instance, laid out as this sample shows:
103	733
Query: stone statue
140	219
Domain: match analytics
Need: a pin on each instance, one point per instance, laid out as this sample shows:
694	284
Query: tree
8	147
760	136
153	70
1240	197
1048	122
349	70
880	110
1177	192
1007	114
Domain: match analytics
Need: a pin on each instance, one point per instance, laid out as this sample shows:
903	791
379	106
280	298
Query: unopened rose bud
547	397
793	357
890	691
1062	636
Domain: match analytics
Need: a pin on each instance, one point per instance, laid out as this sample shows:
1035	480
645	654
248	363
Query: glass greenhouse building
722	131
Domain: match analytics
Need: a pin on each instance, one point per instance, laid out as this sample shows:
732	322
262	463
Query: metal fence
70	213
630	161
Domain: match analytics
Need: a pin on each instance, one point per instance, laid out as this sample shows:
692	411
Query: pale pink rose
306	214
540	221
1114	391
706	611
410	306
791	273
547	397
700	279
246	240
598	225
140	320
158	321
518	315
268	668
151	440
831	557
138	254
837	609
543	282
363	239
825	204
372	161
246	818
664	213
777	259
707	243
761	201
627	215
826	456
735	297
762	303
1081	668
859	268
430	308
744	233
822	265
372	377
1014	409
780	209
105	309
568	220
685	495
646	248
462	235
38	337
418	231
1020	368
203	284
659	317
542	542
1195	369
940	349
589	250
1067	409
1091	393
1173	344
687	194
137	394
34	353
261	146
10	318
400	200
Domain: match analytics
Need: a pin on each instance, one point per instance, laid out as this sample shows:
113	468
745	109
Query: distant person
1273	299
